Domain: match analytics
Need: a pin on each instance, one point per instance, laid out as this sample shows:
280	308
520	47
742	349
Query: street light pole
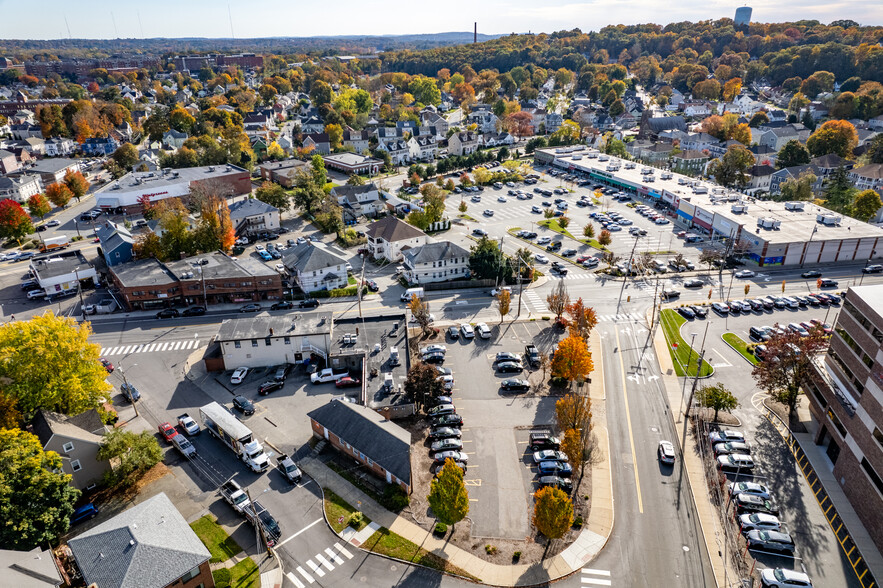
80	291
806	248
687	367
361	282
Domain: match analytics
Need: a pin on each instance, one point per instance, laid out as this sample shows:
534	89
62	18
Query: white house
389	238
20	188
357	140
361	200
422	147
462	143
314	267
868	177
266	340
482	116
173	139
59	147
251	216
398	151
436	262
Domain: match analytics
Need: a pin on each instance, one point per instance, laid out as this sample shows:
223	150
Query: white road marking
297	583
595	581
324	562
304	573
316	522
343	550
316	569
334	557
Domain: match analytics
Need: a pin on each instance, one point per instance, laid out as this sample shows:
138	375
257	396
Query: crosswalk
150	347
571	276
535	301
593	577
318	564
623	317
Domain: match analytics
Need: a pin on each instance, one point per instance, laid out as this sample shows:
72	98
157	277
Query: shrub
355	519
490	549
77	238
559	382
394	498
27	246
440	528
516	556
578	522
222	577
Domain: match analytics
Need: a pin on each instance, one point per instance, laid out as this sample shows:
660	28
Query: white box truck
51	243
223	425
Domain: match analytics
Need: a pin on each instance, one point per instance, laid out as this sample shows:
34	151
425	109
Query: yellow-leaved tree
572	360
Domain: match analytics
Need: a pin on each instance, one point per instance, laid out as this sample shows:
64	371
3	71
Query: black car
755	304
540	441
693	283
309	303
250	308
515	384
285	305
509	367
554	246
243	405
568	252
699	311
194	311
670	294
826	283
446	420
686	312
41	228
282	372
872	269
811	274
556	482
434	358
758	334
270	386
168	313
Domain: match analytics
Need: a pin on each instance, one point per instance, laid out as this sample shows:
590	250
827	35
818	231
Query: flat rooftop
51	267
350	159
159	178
796	225
871	295
288	325
143	273
216	265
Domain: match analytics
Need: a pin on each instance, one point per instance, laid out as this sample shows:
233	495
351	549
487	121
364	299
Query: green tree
875	149
791	154
563	221
798	102
424	90
448	497
321	93
181	120
156	126
486	261
274	195
553	512
717	397
38	499
49	363
834	136
14	221
335	135
133	453
787	365
799	188
589	231
38	205
730	170
838	191
866	205
463	207
308	193
759	118
125	156
77	184
355	180
613	146
422	384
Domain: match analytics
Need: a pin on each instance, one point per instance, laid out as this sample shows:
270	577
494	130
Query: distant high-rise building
743	16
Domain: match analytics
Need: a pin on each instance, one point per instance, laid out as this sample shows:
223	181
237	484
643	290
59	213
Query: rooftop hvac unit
794	205
666	176
767	223
829	220
739	208
211	168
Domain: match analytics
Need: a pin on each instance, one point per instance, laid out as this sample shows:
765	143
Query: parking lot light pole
805	249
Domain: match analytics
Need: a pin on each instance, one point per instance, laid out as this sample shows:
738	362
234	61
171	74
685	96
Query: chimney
271	331
475	32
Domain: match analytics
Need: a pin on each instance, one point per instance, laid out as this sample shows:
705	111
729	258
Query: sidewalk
587	545
724	574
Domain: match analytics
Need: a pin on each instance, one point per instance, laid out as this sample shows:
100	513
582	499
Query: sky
102	19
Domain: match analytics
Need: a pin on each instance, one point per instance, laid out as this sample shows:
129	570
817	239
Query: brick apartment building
82	67
196	62
846	397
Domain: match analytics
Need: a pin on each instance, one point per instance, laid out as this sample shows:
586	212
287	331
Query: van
411	292
34	294
183	445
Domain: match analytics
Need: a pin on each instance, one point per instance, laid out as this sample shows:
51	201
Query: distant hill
322	45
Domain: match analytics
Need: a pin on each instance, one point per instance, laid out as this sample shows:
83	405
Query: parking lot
495	428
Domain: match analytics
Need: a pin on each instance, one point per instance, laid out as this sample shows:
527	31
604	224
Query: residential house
251	217
282	172
656	153
263	340
868	177
117	244
434	119
312	125
828	164
315	267
20	188
698	142
286	144
8	162
25	130
51	170
398	150
358	201
439	261
30	569
553	122
389	238
498	139
462	143
173	139
355	140
422	148
689	161
759	177
776	115
33	145
780	176
651	126
59	147
763	154
774	137
147	546
320	143
695	108
99	146
77	440
360	433
482	116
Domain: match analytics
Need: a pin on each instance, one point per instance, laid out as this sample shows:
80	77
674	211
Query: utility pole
80	292
628	271
520	286
361	282
695	381
257	522
129	390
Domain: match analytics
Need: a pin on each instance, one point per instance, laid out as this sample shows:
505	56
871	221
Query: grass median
681	352
740	345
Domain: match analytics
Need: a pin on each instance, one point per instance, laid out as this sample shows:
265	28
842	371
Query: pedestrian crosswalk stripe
343	550
596	582
304	573
176	345
324	561
150	347
316	569
163	348
596	572
588	579
297	583
334	557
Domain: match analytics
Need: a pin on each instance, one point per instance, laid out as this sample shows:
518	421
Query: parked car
434	358
288	468
441	409
515	385
564	484
444	432
243	405
725	436
720	308
441	456
749	503
83	513
549	455
540	441
555	468
783	578
239	375
509	367
686	312
435	348
454	332
284	305
467	331
250	308
446	420
168	313
732	447
347	382
749	488
446	444
770	541
666	452
309	303
759	521
130	392
194	311
701	311
167	431
270	386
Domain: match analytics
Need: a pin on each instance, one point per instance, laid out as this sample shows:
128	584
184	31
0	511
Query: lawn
671	323
335	508
387	543
552	223
245	574
219	544
740	345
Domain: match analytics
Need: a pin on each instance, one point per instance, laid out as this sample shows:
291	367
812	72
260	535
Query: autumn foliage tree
77	184
558	300
834	136
420	311
422	384
553	512
15	223
582	318
448	497
504	299
59	194
572	360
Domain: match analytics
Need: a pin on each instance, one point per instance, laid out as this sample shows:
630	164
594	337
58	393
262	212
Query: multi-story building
436	262
868	177
845	393
20	188
252	217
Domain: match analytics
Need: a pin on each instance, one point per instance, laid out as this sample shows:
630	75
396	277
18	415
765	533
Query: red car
582	258
347	382
107	365
167	431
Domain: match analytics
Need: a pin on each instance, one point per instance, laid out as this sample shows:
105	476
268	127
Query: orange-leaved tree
582	318
572	360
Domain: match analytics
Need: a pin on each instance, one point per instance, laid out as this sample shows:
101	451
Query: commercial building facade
845	393
272	340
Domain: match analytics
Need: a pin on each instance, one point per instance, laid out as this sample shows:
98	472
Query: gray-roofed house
357	201
117	243
315	267
359	432
264	340
651	126
390	237
320	143
77	440
173	139
780	176
148	546
20	188
436	262
829	163
29	569
252	216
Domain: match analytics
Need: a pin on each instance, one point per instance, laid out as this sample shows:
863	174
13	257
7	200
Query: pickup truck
188	424
326	375
532	354
234	495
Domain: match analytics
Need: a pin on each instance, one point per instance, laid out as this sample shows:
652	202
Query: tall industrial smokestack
475	33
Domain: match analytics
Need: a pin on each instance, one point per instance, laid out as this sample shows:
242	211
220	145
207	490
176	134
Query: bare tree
558	300
710	257
420	310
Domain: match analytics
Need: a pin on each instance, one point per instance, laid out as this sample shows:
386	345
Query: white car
661	221
497	291
759	521
476	198
544	240
431	319
744	274
749	488
53	223
615	228
782	578
483	330
467	330
488	212
434	348
536	210
280	268
238	375
447	382
188	424
501	199
540	258
258	247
